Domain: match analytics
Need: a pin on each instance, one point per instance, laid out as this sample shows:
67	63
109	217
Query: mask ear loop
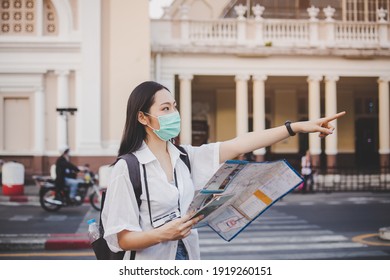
149	125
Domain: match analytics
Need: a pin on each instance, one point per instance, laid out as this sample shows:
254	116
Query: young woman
152	120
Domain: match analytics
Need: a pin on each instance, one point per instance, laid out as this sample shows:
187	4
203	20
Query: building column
89	80
384	121
39	118
259	110
314	113
331	109
186	109
62	102
242	104
39	17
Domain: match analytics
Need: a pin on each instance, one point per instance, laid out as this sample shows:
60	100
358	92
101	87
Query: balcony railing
223	32
260	32
294	32
347	33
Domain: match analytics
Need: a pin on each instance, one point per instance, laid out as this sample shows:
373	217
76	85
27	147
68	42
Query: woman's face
164	104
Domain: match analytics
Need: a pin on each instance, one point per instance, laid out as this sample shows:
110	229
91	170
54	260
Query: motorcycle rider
66	174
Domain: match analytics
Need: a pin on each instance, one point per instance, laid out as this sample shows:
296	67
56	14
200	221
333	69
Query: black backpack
100	247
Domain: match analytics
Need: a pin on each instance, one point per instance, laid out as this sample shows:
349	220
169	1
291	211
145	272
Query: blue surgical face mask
169	126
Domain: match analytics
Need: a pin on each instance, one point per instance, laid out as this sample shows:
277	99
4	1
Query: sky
155	7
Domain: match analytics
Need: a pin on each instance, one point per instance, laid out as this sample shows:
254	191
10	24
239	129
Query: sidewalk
30	242
50	241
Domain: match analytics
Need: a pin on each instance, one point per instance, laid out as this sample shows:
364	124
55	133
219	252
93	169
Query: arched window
28	18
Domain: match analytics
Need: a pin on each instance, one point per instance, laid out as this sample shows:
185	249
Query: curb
19	198
67	242
30	194
27	198
23	242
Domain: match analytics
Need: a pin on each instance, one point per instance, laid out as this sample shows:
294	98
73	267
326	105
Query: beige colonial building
234	66
84	54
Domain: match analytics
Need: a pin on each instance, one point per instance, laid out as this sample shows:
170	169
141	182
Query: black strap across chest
135	172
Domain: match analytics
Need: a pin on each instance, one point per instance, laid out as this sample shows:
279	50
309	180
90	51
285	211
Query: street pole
66	112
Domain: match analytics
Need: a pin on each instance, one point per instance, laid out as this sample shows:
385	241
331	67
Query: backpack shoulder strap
135	178
184	157
134	174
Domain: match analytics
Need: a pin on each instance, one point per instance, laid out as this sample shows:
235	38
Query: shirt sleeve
120	210
204	162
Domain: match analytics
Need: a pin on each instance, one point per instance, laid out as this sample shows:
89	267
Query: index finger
331	118
194	220
187	217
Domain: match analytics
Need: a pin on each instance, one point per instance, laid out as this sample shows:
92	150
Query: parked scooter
52	198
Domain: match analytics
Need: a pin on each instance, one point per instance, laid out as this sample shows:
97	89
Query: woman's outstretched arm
251	141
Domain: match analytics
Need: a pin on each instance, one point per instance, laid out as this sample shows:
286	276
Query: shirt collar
145	155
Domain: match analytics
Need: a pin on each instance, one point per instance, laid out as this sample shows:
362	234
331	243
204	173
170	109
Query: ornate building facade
238	66
234	66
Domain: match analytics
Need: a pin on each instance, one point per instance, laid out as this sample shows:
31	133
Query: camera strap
148	195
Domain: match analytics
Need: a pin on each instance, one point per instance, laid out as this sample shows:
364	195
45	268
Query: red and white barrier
13	178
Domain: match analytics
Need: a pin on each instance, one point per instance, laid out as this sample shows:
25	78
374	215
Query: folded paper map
239	192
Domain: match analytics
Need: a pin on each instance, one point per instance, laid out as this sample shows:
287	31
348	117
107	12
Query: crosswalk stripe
353	200
278	240
244	234
275	217
10	203
20	218
341	254
284	247
55	218
272	227
269	222
307	203
334	202
280	203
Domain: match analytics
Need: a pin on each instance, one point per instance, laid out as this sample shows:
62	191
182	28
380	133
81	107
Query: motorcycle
52	198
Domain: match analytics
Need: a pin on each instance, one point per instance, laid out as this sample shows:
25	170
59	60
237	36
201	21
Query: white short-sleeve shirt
121	210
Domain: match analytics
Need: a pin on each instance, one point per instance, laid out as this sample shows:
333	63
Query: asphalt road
312	226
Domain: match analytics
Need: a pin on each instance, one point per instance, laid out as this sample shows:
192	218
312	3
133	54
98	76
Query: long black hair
140	100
